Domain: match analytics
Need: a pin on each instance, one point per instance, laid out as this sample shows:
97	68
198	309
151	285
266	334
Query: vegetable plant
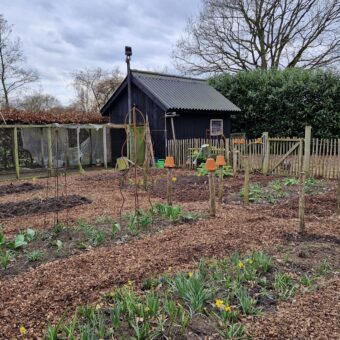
5	258
34	255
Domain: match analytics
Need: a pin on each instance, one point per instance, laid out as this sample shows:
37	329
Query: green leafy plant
96	236
30	234
192	290
58	228
261	260
323	269
19	242
201	171
115	228
58	244
34	255
290	181
5	258
246	302
255	193
2	237
133	224
284	285
145	219
307	281
52	332
233	331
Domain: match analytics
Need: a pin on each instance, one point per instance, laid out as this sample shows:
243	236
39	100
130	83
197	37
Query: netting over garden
46	146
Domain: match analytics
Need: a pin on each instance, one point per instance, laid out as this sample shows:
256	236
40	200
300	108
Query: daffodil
219	303
130	282
174	179
23	330
190	274
241	265
147	309
227	308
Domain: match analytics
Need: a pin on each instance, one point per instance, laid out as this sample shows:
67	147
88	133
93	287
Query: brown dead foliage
53	116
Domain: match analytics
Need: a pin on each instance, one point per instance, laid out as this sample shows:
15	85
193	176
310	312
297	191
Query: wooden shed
176	108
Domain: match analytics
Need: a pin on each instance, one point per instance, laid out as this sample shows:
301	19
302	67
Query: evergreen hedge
282	102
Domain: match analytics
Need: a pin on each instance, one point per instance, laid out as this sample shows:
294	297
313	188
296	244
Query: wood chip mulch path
311	316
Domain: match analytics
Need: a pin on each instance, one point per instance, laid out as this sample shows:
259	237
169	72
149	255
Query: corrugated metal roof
184	93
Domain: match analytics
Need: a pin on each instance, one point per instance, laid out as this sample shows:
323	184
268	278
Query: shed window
216	127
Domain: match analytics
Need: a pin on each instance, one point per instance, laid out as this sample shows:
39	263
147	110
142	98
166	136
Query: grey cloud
61	36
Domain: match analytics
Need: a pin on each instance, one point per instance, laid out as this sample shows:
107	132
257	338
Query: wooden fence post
265	166
169	186
227	150
306	160
246	181
49	150
302	202
338	196
16	152
235	161
78	150
42	147
212	193
104	148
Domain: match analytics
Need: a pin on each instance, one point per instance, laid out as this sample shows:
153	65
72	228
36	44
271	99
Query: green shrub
282	102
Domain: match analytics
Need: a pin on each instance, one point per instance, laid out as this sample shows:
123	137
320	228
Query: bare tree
94	87
233	35
38	102
13	74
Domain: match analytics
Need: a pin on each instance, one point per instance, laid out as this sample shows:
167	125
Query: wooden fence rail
286	156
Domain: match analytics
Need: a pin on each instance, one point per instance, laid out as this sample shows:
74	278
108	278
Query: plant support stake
246	181
210	165
169	164
338	196
302	180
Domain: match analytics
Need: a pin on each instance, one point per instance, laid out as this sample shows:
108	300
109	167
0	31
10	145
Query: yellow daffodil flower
23	330
219	303
190	274
227	308
174	179
130	282
241	265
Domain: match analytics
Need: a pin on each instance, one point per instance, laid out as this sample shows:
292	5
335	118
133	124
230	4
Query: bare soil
17	189
41	295
38	206
192	188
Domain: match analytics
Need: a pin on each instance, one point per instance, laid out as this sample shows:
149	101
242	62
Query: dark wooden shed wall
189	124
194	125
155	114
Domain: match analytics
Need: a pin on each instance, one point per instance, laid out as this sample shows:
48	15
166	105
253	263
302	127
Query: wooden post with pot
220	162
169	165
210	165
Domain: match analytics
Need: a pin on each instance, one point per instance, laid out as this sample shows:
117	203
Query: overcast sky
63	35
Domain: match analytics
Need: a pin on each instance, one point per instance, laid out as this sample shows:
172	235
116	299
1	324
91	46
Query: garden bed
30	248
212	300
40	206
191	188
19	188
35	294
